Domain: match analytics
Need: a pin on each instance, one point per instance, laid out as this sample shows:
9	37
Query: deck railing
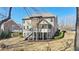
36	34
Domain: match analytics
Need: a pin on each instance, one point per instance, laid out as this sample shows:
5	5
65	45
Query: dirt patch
18	44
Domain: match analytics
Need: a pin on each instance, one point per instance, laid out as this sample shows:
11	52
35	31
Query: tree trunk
77	31
9	15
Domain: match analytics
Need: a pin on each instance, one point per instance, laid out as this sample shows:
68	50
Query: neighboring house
9	25
39	26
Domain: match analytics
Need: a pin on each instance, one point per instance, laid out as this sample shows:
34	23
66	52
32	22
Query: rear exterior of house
39	26
11	26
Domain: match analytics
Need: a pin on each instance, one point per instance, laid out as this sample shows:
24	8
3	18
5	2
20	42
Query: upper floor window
52	19
44	26
49	26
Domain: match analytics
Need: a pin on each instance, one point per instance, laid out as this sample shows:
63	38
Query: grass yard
18	44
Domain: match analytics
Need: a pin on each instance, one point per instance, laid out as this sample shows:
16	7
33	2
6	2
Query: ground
18	44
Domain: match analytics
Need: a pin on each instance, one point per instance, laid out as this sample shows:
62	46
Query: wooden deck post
47	32
36	34
33	35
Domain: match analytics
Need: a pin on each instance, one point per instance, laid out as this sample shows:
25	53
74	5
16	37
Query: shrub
61	35
16	34
5	34
21	34
2	34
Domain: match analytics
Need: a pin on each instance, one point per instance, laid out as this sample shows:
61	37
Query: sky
18	13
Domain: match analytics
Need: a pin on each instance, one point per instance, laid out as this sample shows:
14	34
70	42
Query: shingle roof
43	15
1	22
40	15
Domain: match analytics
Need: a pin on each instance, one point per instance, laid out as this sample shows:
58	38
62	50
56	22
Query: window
44	26
27	27
49	26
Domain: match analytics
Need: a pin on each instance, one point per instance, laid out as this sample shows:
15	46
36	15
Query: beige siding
47	20
34	22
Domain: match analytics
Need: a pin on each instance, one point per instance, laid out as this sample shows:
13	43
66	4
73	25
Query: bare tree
8	17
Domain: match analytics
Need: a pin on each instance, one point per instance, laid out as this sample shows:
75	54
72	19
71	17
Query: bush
21	34
61	35
2	35
16	34
5	34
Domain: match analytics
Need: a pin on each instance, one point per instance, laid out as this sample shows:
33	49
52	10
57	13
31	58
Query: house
39	26
9	25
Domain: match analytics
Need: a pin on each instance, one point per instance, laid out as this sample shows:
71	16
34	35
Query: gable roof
11	22
8	21
41	21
